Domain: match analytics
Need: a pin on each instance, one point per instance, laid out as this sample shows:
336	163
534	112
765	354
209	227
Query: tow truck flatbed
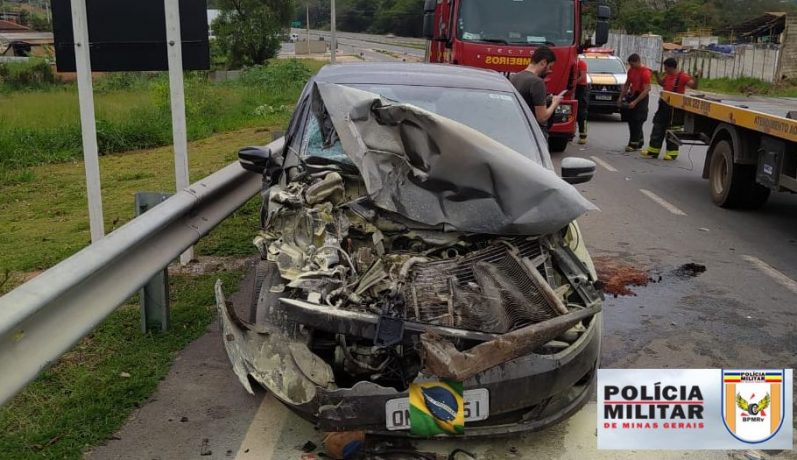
752	144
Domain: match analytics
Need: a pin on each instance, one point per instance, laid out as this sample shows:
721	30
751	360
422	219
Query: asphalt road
654	215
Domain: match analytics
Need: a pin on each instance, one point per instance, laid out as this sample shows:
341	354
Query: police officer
675	81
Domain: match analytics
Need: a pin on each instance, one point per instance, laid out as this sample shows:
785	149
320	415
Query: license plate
477	407
603	97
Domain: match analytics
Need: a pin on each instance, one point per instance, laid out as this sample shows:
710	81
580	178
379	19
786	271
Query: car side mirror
577	170
601	32
255	159
604	12
428	26
429	7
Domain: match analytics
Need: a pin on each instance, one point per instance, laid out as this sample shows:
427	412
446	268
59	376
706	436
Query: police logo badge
753	403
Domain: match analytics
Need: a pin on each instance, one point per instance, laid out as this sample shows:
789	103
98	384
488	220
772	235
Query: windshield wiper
494	40
546	42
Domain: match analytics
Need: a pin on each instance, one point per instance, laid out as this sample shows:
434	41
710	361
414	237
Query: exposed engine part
354	270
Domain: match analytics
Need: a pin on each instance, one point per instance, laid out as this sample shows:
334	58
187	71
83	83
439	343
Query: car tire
733	185
557	144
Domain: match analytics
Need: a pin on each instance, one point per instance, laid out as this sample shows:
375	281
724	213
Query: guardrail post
154	296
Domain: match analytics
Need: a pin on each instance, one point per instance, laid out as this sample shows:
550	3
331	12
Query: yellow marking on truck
773	125
507	60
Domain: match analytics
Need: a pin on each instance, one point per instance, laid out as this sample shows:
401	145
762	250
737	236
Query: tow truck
502	35
752	144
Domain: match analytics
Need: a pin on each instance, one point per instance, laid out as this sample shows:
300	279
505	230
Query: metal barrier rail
48	315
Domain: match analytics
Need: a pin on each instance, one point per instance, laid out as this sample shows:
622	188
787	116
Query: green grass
44	211
43	126
750	86
82	400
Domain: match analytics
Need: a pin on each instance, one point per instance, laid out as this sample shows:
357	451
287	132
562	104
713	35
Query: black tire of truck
267	275
733	185
557	144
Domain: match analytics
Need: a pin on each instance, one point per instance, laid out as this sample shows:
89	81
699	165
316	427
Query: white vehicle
606	75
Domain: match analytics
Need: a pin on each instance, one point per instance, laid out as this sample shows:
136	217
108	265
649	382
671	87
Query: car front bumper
525	394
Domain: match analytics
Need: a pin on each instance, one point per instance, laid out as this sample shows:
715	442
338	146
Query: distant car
415	225
294	38
606	75
390	36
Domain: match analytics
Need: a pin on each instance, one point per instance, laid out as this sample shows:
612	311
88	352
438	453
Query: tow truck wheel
557	144
725	177
733	185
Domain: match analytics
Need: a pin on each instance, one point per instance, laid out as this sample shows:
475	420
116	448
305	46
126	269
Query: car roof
403	73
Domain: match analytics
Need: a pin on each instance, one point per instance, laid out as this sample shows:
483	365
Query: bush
31	74
137	114
277	75
117	81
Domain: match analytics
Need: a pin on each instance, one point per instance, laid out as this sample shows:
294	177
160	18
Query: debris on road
204	450
344	445
690	270
617	276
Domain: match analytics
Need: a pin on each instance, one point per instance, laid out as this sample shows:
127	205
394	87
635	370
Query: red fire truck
502	35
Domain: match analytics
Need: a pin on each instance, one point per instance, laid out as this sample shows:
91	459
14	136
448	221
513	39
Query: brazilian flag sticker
436	408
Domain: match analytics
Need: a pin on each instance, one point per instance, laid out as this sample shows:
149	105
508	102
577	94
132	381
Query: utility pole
307	9
333	26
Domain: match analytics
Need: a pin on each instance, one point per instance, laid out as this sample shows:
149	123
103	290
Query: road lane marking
773	273
664	203
606	165
262	437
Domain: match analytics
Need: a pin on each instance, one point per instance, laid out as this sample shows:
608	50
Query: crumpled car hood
434	170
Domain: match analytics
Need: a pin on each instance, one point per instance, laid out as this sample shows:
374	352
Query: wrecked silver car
414	231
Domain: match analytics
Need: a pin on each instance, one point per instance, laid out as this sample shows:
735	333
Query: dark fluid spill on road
690	270
653	310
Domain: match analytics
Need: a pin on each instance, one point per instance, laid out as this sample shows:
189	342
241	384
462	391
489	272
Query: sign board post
87	121
177	96
333	27
145	35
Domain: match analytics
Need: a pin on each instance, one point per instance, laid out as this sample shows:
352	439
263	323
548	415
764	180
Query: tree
248	31
356	15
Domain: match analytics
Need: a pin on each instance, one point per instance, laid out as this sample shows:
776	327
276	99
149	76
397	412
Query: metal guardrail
45	317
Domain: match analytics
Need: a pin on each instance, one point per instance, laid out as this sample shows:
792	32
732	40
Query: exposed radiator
486	290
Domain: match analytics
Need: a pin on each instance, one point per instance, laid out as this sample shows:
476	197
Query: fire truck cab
502	35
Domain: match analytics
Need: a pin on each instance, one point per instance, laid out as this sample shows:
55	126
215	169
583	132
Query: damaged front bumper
526	393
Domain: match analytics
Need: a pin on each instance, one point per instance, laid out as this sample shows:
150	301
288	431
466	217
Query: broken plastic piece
442	359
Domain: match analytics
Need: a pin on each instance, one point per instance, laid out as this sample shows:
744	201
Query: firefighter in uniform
582	96
674	81
633	101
